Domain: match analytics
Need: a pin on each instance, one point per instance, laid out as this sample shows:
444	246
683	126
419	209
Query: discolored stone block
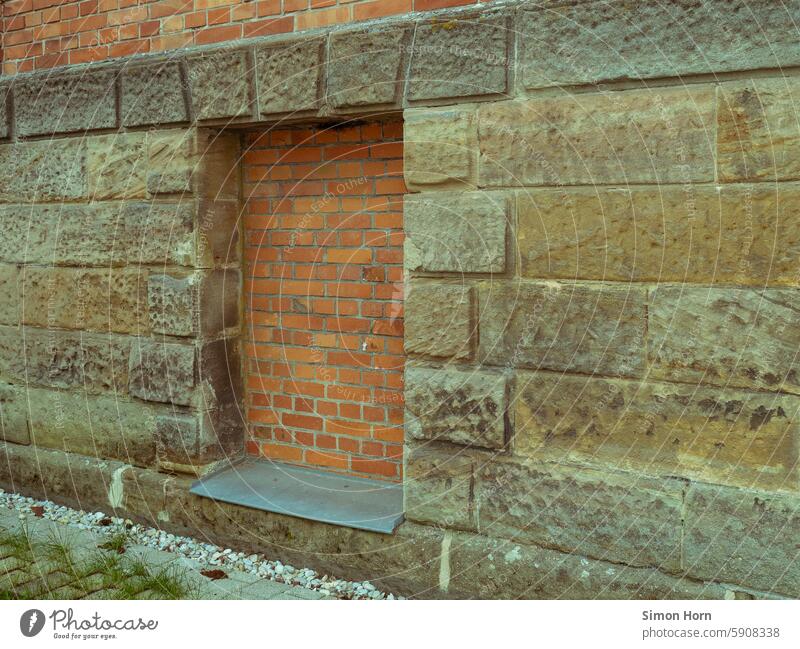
5	101
758	137
220	84
13	415
459	57
560	141
743	537
458	232
66	102
186	442
727	436
458	406
366	67
439	320
440	147
732	233
163	371
52	170
288	76
117	166
589	43
617	517
153	94
725	336
592	329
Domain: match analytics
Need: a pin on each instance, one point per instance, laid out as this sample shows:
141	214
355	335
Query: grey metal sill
315	495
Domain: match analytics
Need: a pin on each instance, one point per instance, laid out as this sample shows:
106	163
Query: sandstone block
13	415
438	486
458	406
758	137
186	442
725	336
588	43
365	67
743	537
560	141
440	148
459	57
733	234
153	94
456	232
217	237
289	76
43	171
592	329
65	102
717	435
117	165
162	371
618	517
5	99
439	320
220	84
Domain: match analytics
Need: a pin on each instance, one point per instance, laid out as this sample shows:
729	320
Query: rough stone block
758	137
117	166
725	336
217	233
717	435
733	234
65	102
98	426
440	148
220	84
618	517
13	415
163	371
197	304
366	67
438	486
288	76
459	57
560	141
461	232
439	320
153	94
590	43
743	537
5	99
186	442
586	328
458	406
44	171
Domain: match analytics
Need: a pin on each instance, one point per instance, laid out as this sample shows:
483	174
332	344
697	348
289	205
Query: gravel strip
204	553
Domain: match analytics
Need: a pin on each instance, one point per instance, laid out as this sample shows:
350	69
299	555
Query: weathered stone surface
289	76
152	94
163	371
591	43
13	415
171	182
220	84
217	164
721	436
592	329
487	568
743	537
64	359
598	513
51	170
733	233
459	406
439	320
725	336
5	99
758	137
366	67
181	440
64	103
440	147
102	426
561	141
102	234
458	232
199	303
459	57
117	165
218	233
439	485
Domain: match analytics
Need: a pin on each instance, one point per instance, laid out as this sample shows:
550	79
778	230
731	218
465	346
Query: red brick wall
323	296
47	33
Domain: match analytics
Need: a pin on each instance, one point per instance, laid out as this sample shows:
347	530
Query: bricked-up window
323	296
